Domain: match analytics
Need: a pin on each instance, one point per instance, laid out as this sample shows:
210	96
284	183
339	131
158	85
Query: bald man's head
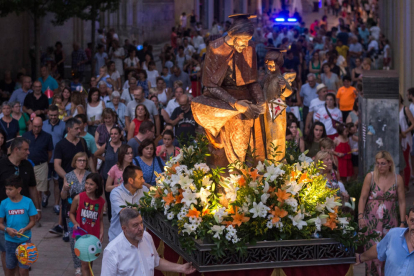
37	125
184	102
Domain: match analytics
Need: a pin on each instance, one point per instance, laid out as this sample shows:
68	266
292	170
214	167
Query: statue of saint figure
232	100
275	88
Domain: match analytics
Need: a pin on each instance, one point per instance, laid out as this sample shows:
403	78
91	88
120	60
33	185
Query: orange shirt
346	98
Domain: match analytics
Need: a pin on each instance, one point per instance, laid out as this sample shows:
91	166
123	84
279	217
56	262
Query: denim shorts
2	242
11	259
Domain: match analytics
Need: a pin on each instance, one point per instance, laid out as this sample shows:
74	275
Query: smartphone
140	47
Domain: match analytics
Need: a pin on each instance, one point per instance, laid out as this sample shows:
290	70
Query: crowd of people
101	141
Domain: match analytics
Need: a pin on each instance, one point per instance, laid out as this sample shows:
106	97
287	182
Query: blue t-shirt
148	171
50	83
17	216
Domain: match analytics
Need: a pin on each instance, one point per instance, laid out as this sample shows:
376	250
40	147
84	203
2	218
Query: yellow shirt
342	50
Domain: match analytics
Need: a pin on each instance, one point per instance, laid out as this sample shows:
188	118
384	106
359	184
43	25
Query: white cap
320	86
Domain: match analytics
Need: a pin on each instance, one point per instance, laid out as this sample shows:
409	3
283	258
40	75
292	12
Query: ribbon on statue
276	107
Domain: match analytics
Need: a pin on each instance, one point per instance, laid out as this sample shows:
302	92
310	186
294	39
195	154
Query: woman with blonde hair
382	196
330	174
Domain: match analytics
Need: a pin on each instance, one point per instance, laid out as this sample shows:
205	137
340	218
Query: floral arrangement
271	201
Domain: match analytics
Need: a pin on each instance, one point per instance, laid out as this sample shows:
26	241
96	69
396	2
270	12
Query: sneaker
56	209
45	200
66	237
57	230
78	272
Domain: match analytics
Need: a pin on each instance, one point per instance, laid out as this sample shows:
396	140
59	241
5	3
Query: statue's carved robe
229	76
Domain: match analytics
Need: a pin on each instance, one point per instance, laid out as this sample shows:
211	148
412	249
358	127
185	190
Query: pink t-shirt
116	175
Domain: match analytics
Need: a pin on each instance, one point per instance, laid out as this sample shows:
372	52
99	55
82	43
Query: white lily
331	203
259	210
203	194
320	207
260	167
231	192
186	182
189	198
266	187
298	221
293	187
206	182
264	198
344	221
175	179
188	228
203	167
273	172
218	230
219	214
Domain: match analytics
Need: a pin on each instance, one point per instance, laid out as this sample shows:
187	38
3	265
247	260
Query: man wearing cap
315	104
232	100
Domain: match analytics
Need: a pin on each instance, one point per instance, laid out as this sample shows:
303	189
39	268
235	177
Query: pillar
228	9
208	10
197	9
243	4
259	7
379	113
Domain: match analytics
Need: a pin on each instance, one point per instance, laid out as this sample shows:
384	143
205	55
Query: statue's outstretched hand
246	108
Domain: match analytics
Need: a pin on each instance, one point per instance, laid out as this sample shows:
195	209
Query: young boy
20	214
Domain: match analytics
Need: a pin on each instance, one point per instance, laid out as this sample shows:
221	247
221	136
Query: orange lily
239	219
231	209
293	174
282	195
193	213
168	199
254	174
331	224
172	170
158	193
206	212
227	223
303	178
278	214
179	197
242	181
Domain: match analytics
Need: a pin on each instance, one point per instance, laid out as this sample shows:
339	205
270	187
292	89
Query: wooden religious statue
276	87
232	100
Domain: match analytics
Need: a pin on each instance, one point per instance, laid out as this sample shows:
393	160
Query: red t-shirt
137	125
88	214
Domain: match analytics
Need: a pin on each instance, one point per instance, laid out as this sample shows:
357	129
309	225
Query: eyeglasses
81	160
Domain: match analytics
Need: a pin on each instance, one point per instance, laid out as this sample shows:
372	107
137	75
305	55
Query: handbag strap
327	111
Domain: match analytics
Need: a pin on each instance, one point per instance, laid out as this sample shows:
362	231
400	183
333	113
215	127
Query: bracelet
39	210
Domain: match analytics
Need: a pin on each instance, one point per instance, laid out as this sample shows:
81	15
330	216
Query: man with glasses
128	94
21	93
36	102
307	94
183	120
41	148
65	150
152	109
18	164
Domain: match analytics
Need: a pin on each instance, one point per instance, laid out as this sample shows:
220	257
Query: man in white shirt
133	251
188	48
315	104
198	40
131	190
375	31
355	51
372	46
128	94
152	109
182	58
173	103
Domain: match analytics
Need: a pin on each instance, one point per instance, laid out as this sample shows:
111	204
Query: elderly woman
382	204
119	108
104	92
24	121
9	124
74	184
148	161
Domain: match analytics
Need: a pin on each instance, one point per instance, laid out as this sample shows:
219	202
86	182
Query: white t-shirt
126	96
131	62
411	107
315	104
197	41
172	104
152	77
386	51
375	32
126	85
189	50
322	116
181	60
373	44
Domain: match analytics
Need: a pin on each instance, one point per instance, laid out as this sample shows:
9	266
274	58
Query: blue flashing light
292	20
279	19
